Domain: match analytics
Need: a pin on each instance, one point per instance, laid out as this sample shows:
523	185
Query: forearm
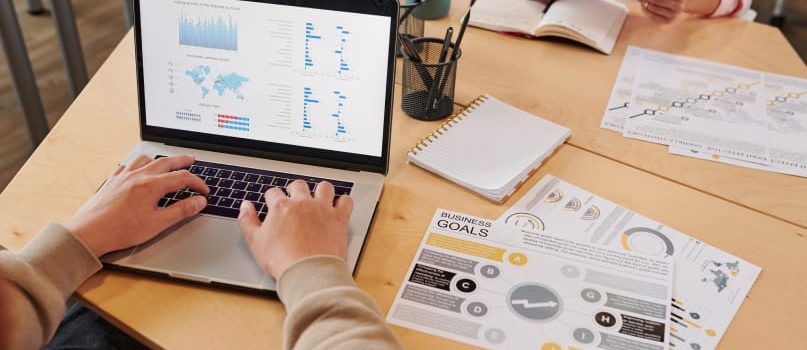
325	309
35	283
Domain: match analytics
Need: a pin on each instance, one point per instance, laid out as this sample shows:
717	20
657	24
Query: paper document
487	284
700	105
709	284
711	111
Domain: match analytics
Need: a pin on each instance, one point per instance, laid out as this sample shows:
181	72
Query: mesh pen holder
410	27
428	86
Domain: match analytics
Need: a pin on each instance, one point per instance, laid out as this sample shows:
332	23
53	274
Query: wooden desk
101	127
570	84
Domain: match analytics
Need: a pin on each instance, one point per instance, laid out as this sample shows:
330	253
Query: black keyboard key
212	181
220	211
259	207
182	195
279	182
213	200
224	174
262	216
170	201
265	180
238	194
210	172
239	185
213	190
196	170
341	191
254	187
264	188
311	186
237	176
237	203
170	195
224	192
251	178
226	183
162	202
225	202
253	196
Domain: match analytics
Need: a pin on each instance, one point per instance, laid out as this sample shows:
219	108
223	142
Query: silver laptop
262	93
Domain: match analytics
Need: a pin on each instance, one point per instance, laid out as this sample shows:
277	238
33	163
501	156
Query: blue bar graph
310	35
307	101
209	32
343	39
340	127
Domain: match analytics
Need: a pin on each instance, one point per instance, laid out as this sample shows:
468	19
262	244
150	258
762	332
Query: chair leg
778	16
22	75
70	43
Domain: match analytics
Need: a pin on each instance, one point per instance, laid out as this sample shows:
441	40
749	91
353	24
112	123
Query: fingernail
201	202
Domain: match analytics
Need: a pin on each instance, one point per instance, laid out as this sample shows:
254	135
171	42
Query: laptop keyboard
230	185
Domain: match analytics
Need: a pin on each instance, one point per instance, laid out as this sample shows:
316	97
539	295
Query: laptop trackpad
203	248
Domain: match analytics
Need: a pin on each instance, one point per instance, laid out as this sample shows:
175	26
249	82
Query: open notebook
596	23
490	148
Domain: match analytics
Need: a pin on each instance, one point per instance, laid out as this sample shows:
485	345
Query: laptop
262	93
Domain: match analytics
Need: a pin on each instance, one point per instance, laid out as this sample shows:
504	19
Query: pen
433	100
412	54
548	4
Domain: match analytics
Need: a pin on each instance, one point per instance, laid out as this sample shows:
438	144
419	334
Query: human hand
297	226
124	212
662	11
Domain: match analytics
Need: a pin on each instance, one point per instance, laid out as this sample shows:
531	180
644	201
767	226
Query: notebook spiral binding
450	123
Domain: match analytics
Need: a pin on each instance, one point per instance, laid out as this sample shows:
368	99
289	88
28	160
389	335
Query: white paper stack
490	148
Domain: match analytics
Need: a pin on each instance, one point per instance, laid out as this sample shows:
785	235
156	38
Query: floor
101	26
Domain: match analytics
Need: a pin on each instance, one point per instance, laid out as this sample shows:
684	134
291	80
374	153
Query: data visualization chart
709	286
477	282
212	32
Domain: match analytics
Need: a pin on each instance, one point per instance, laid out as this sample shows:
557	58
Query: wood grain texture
101	127
570	84
100	24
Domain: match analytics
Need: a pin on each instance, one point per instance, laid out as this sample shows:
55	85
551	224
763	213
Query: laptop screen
288	75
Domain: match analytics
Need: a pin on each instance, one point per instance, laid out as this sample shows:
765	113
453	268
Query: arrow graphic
527	305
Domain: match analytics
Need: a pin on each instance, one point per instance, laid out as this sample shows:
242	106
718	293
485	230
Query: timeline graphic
703	97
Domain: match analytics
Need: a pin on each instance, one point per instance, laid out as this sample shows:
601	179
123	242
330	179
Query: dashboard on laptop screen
266	72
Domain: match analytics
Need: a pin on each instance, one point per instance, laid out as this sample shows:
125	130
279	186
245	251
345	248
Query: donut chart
648	241
525	221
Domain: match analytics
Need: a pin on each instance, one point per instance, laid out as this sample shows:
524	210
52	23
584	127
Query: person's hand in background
662	11
297	226
124	212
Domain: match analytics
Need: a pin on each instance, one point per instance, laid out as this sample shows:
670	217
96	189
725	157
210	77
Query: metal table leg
34	7
65	22
22	75
128	13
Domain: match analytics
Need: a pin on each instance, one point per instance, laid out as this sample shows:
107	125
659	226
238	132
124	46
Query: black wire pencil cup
430	73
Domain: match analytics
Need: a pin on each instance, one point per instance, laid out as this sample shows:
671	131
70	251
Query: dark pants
83	329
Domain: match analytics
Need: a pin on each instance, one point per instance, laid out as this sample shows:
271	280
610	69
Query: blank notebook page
491	144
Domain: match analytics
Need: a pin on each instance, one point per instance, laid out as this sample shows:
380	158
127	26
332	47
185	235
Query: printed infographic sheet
709	284
670	112
480	282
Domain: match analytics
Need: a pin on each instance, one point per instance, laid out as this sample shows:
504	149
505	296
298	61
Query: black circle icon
466	285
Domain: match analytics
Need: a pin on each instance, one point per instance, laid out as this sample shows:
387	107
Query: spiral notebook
490	148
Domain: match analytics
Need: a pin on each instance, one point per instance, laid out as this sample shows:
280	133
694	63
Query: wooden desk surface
570	84
101	127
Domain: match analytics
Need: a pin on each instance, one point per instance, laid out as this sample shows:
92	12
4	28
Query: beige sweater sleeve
325	309
35	284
